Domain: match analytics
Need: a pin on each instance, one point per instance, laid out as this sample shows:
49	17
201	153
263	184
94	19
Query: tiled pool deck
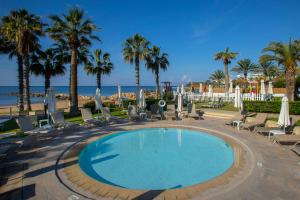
49	170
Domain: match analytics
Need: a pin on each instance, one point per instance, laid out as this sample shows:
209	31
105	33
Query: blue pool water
156	158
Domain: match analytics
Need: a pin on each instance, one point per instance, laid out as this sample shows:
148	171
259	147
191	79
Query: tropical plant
135	49
47	64
268	69
244	67
101	66
226	56
217	77
77	32
21	30
156	61
287	56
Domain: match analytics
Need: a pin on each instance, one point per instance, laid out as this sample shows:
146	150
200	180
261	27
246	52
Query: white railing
226	98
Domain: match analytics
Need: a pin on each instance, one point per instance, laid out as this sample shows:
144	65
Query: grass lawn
12	126
227	106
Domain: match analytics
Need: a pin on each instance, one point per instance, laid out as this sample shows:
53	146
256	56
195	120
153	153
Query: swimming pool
156	158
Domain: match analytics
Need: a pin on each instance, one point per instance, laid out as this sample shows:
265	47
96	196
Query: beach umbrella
177	89
284	118
50	100
262	89
237	98
230	87
142	101
270	88
210	91
119	92
182	89
179	103
98	103
200	88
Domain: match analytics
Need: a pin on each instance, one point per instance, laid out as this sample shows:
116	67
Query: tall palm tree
287	56
226	56
268	69
18	28
48	64
135	50
101	66
218	77
244	67
77	32
156	61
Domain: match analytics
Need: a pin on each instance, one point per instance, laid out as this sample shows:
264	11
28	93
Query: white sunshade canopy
119	92
284	117
262	87
230	87
98	102
200	88
179	103
238	103
210	91
270	88
142	100
50	100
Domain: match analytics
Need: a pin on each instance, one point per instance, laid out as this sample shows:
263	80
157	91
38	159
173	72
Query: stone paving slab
274	175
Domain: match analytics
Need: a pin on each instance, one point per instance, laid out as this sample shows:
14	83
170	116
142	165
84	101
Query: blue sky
191	32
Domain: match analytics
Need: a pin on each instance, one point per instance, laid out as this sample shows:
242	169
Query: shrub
271	106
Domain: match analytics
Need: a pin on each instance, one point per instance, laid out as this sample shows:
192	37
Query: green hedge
270	106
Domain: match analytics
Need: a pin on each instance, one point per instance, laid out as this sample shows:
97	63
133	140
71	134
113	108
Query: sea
6	99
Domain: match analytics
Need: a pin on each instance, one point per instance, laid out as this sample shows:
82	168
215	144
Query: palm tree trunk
27	84
47	86
99	81
290	83
21	83
137	76
74	92
226	77
157	83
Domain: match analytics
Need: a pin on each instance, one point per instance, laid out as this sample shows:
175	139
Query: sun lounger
88	118
192	111
106	115
155	112
259	120
132	113
58	120
296	149
26	126
287	139
171	112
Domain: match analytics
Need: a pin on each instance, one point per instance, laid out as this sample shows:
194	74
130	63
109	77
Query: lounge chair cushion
296	130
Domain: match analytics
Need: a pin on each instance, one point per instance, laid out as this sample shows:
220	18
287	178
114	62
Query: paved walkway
33	173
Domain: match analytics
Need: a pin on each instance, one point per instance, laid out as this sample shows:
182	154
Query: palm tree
155	61
218	77
135	50
77	32
226	56
15	29
47	64
244	67
101	66
287	56
268	69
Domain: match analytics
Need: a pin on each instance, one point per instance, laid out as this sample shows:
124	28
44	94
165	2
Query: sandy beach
63	104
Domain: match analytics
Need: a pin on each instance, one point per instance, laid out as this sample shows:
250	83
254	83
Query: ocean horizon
6	99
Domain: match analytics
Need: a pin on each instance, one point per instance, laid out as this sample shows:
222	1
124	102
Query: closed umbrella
182	89
50	100
270	88
142	101
210	91
119	92
284	118
98	102
177	89
179	103
262	89
230	87
237	98
200	88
